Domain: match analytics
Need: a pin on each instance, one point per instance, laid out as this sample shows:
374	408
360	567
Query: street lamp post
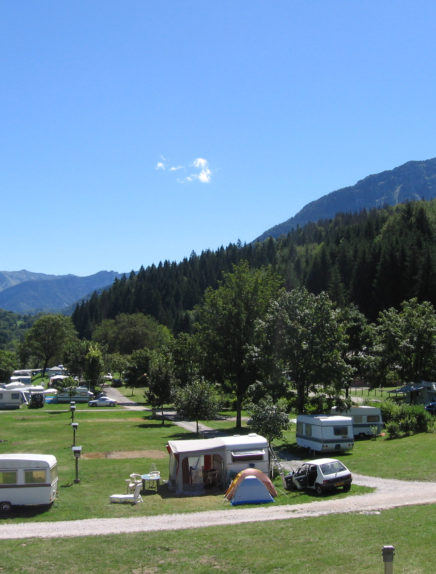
72	409
75	427
77	451
388	558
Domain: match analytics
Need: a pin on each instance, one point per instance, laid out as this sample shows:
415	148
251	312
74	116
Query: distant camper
77	394
365	420
323	433
12	399
27	479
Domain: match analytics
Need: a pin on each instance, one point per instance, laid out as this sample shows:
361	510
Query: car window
332	467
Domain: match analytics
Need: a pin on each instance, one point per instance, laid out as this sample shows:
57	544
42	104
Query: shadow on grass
26	511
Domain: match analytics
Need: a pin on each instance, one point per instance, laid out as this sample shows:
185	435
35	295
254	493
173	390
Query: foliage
304	335
94	365
226	328
47	339
161	379
196	400
135	374
129	332
405	341
268	419
8	363
403	419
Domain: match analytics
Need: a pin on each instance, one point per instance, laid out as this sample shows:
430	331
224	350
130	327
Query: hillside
38	292
373	259
413	181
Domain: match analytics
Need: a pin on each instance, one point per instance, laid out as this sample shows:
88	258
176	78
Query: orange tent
250	472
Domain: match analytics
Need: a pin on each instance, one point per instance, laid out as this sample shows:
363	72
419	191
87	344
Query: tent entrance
202	471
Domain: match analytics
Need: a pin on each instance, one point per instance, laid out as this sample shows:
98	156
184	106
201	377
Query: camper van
214	462
323	433
365	420
27	479
12	398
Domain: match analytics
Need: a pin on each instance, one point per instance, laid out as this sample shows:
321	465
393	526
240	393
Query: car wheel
347	487
5	507
319	489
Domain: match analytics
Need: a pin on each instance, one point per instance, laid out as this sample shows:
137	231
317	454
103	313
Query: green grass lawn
350	543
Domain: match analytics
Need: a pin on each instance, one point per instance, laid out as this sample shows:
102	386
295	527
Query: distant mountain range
412	181
26	292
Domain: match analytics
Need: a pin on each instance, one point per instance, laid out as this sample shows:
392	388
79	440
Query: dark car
431	408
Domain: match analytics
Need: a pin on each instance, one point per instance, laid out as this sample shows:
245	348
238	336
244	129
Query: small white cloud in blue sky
199	170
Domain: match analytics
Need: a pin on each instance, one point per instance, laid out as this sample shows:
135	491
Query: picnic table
151	479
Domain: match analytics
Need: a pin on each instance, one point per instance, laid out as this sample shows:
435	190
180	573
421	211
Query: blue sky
138	131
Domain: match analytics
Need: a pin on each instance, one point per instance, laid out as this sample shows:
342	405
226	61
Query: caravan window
299	427
15	395
8	477
340	431
358	418
308	429
34	476
1	395
373	418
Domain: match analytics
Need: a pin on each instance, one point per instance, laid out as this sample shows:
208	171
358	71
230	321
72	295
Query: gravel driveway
388	494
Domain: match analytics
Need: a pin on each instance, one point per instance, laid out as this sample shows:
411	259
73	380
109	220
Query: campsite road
388	494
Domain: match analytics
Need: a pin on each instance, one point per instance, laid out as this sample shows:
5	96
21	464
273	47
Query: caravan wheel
5	507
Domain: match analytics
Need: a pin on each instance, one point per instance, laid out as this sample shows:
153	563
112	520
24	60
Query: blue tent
251	490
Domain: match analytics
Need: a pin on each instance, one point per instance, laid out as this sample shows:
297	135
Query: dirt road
388	494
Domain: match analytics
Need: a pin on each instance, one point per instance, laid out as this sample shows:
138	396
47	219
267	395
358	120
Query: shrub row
403	420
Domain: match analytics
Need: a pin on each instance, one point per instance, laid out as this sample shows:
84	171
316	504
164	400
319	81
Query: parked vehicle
102	402
365	420
12	398
323	433
76	394
431	408
27	479
321	475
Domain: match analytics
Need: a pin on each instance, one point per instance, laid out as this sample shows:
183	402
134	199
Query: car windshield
332	467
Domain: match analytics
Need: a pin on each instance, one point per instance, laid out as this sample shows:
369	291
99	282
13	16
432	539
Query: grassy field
329	544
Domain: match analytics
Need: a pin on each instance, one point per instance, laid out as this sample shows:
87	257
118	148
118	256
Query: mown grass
348	543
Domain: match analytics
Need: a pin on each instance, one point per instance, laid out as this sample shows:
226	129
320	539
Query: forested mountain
35	292
375	259
412	181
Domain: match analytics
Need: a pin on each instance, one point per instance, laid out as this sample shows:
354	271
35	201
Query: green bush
406	419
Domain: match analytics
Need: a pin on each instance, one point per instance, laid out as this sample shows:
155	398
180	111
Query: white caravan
12	398
323	433
214	462
365	419
76	394
27	479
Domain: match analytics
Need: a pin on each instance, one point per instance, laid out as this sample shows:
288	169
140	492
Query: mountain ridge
38	292
411	181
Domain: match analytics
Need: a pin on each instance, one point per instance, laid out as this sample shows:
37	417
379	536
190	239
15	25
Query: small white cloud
202	172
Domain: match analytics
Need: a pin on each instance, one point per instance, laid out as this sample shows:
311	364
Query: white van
365	419
323	433
27	479
12	399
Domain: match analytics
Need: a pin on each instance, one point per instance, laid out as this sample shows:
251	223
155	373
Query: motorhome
12	398
214	462
27	479
76	394
323	433
367	421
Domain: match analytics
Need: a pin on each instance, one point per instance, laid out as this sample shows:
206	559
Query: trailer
76	394
367	421
27	479
214	462
12	398
323	433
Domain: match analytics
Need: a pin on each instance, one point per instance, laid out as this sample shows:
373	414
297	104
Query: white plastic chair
131	498
133	481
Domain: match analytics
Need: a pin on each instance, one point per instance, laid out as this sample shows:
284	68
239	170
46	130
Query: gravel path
388	494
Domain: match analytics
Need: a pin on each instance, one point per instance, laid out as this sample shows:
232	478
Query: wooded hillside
374	259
